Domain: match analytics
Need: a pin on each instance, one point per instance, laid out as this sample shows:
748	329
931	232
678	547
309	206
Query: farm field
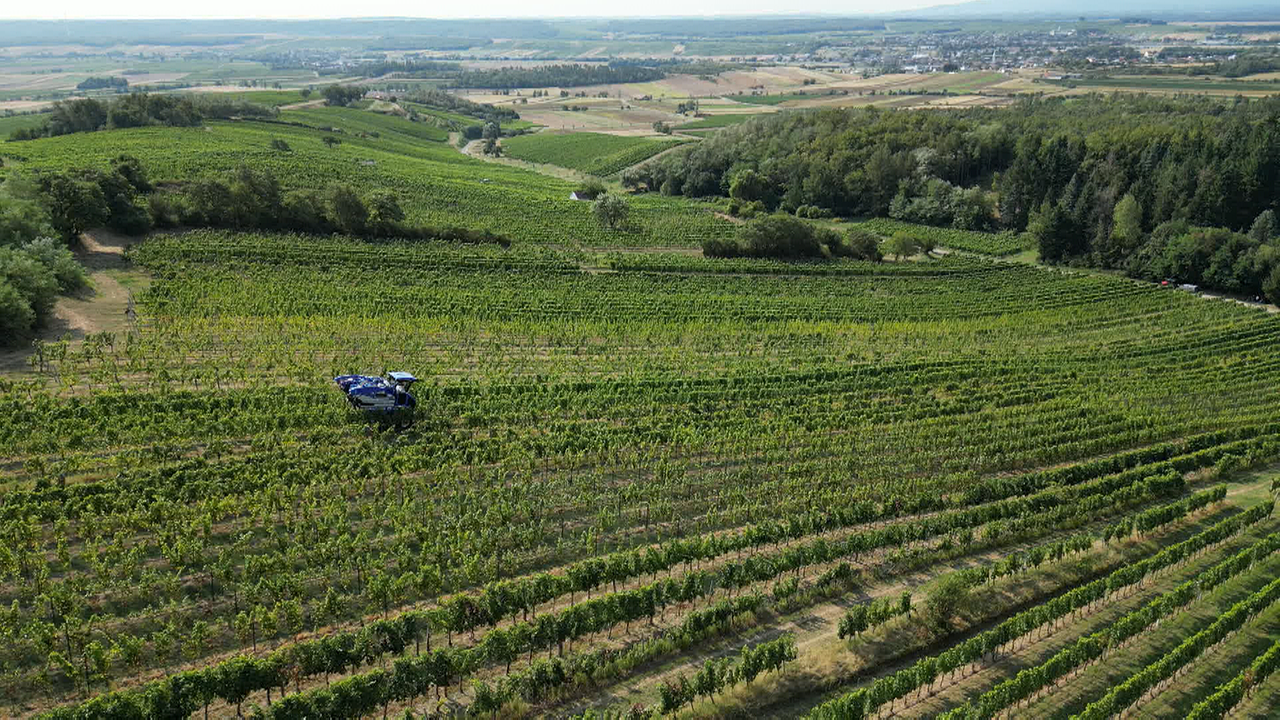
592	153
437	185
621	475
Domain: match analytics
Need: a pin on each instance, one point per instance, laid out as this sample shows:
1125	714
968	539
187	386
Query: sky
299	9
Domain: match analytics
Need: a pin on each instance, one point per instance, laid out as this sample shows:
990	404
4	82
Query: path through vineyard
100	308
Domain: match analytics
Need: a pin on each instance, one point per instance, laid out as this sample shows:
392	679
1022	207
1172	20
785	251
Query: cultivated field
591	153
622	475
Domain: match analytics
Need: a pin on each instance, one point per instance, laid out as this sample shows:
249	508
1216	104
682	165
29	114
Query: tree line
567	75
123	199
136	110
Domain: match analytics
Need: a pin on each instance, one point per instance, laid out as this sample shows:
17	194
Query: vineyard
592	153
998	245
641	484
437	185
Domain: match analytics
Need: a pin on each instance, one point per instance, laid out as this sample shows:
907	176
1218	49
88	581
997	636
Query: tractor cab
401	379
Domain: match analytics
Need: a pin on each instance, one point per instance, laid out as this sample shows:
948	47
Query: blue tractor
384	398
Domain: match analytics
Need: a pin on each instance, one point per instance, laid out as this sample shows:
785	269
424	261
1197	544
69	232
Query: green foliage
22	216
349	213
1056	237
1264	227
35	283
901	245
591	188
749	185
779	236
55	256
611	210
947	597
74	205
17	317
341	95
863	244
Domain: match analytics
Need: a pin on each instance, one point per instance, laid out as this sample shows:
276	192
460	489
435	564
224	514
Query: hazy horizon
557	9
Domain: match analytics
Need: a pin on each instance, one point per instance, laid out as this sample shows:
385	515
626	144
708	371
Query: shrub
591	188
55	256
863	245
16	316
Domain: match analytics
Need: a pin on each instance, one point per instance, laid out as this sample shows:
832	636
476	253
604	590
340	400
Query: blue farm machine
385	398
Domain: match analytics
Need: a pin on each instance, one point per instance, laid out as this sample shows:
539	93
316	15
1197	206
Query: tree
946	598
342	95
74	205
16	316
1126	224
23	216
346	210
611	210
384	211
331	141
305	93
1054	233
55	256
749	185
1264	227
36	283
131	169
901	245
1271	286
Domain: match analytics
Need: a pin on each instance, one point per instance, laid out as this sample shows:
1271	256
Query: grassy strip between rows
1092	647
1230	693
1131	690
863	701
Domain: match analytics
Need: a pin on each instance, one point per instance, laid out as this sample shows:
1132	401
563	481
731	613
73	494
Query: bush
35	282
778	236
16	316
812	212
901	245
948	597
60	261
591	188
166	209
863	245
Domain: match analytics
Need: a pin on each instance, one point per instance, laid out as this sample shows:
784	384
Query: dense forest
1183	188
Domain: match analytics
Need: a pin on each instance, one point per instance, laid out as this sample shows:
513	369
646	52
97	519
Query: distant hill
1160	9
